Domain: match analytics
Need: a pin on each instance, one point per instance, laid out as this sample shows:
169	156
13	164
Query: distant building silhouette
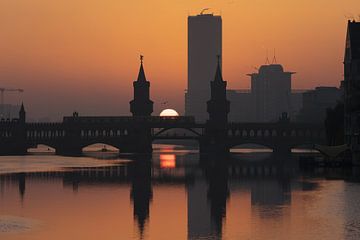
316	102
204	44
9	111
22	114
271	90
141	105
269	96
352	88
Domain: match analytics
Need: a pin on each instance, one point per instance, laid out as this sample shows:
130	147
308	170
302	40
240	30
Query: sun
169	113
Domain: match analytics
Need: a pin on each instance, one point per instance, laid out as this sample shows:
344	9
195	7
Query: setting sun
169	113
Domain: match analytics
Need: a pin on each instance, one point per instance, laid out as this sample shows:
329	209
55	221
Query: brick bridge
136	134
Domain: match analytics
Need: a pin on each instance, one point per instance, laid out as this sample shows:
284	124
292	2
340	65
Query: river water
175	194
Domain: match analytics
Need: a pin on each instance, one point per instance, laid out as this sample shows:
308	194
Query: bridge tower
22	114
13	135
218	108
141	105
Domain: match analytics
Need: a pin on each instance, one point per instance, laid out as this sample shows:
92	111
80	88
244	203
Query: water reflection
141	192
268	192
167	160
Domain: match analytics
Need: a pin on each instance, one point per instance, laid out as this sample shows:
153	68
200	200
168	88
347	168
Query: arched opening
175	145
266	133
175	139
100	148
252	133
250	148
176	133
41	149
244	133
304	148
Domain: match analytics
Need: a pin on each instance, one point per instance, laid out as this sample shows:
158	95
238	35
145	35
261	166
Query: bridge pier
213	146
140	141
13	148
282	150
69	150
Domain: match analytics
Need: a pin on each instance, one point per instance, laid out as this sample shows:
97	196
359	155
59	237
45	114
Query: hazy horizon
84	55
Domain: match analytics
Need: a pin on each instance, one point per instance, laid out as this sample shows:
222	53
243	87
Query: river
175	194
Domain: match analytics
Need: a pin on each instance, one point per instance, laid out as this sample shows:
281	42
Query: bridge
136	134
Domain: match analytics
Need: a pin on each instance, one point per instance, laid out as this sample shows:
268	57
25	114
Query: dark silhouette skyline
72	64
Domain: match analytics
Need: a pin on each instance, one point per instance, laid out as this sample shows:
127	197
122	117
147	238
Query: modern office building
316	102
204	45
271	91
352	88
269	96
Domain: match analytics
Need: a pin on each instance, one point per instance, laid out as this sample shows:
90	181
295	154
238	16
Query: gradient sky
84	54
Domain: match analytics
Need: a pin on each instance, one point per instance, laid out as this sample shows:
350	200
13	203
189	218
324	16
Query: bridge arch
240	147
99	146
163	130
41	148
266	133
244	133
303	146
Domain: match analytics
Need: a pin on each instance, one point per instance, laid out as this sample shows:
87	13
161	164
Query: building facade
316	102
352	88
271	91
204	44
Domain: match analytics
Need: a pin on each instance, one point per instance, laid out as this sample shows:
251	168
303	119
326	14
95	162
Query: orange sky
83	55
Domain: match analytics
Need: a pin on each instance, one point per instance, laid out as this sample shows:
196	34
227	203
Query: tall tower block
352	89
204	44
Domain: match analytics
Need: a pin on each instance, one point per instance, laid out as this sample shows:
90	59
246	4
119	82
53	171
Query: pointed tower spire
141	76
218	74
22	113
141	105
22	108
218	106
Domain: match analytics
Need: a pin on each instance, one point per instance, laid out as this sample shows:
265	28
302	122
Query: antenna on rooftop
202	11
274	58
267	57
350	16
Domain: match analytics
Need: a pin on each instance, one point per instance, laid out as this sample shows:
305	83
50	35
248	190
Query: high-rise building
316	102
204	45
271	89
352	88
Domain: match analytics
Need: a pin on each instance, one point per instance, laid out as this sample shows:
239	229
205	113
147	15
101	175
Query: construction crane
2	93
3	90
